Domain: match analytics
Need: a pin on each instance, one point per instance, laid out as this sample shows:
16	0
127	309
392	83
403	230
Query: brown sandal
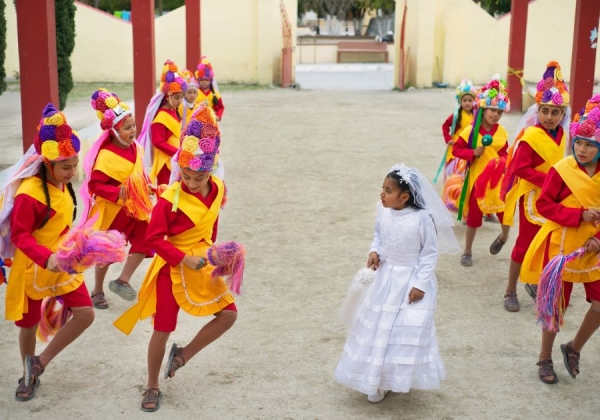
175	361
99	300
496	246
151	396
571	359
546	370
29	391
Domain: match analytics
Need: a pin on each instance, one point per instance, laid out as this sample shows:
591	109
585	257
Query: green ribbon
473	143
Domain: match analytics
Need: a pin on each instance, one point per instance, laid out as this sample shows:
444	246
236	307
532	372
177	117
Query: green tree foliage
495	7
2	46
65	44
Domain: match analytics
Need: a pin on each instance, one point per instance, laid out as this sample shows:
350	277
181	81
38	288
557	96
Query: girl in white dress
392	344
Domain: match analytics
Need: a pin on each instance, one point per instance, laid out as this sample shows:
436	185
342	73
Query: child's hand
51	264
415	295
122	195
450	143
194	262
479	151
373	261
592	246
591	216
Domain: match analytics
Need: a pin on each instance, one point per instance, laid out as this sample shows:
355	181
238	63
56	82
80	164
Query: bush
65	43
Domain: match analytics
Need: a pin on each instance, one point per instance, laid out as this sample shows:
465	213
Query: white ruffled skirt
392	345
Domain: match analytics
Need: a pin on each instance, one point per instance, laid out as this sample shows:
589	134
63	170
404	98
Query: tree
2	46
385	12
495	7
65	44
358	10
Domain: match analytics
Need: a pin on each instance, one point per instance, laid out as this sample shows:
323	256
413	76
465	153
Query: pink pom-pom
229	260
85	247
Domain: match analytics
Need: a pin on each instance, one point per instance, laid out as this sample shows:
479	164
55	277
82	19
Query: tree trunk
358	26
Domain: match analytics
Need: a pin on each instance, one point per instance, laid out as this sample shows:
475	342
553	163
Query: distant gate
286	51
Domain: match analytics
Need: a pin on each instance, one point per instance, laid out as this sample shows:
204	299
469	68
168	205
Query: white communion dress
391	344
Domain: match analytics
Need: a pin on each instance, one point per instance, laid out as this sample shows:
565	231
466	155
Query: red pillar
193	34
516	52
144	73
36	34
584	52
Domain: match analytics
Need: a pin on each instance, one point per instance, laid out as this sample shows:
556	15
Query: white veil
426	196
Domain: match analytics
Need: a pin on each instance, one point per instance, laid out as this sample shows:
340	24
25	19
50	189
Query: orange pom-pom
65	149
137	193
184	158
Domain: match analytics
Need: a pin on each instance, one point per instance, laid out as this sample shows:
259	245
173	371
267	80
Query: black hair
404	187
215	100
44	177
458	118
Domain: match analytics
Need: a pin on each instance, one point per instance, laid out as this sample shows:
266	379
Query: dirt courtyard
304	171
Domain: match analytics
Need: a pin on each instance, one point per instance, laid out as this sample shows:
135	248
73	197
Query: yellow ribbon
518	73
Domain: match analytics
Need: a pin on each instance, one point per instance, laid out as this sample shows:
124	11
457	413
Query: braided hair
215	100
44	177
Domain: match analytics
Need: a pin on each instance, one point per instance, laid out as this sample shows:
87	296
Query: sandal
33	369
511	303
496	246
546	370
151	396
175	361
571	359
123	289
466	260
531	290
99	300
29	391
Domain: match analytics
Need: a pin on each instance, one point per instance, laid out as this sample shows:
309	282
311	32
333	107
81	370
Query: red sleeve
219	108
26	217
158	230
446	127
504	151
461	150
525	163
214	232
553	192
160	136
104	186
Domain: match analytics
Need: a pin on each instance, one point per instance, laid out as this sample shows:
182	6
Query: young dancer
112	166
570	202
159	136
540	144
392	343
182	227
481	192
208	92
38	208
188	105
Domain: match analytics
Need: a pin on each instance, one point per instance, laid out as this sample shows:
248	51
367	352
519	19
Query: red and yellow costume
165	132
169	284
113	166
568	190
491	202
213	99
537	150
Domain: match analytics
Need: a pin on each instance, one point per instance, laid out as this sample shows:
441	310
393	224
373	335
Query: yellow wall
243	40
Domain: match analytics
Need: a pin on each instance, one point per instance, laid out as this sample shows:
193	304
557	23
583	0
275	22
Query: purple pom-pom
76	143
207	161
95	95
547	96
169	77
49	111
549	72
194	128
48	132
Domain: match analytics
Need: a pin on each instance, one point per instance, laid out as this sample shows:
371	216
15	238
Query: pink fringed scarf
228	259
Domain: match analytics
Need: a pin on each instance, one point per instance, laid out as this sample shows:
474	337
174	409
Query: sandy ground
304	169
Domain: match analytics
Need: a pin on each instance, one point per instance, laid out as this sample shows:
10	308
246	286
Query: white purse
356	294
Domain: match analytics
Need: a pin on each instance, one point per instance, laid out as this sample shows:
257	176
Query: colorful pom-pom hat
55	139
494	94
171	80
204	70
552	90
109	109
200	142
586	125
188	76
465	88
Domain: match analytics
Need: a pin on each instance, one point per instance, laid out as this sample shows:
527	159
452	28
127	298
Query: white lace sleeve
429	252
376	244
